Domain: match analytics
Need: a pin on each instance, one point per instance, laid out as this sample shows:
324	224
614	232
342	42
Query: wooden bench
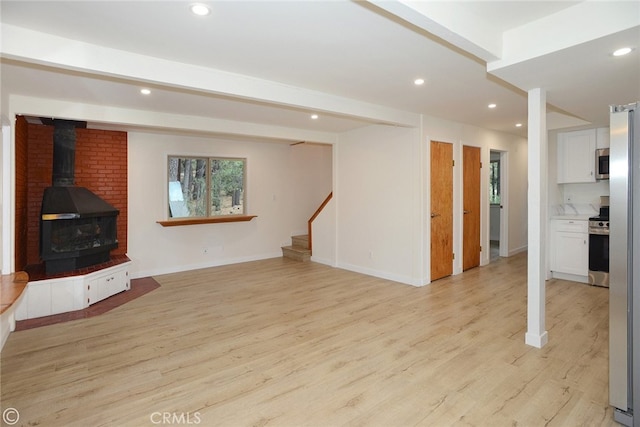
11	289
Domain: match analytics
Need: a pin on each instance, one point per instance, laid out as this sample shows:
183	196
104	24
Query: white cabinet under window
576	156
570	249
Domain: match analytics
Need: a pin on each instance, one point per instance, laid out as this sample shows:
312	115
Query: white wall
311	169
272	185
378	203
382	189
324	235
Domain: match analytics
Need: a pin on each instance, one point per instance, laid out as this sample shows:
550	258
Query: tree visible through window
494	182
206	187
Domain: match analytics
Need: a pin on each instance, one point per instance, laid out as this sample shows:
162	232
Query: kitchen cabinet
570	248
576	156
602	138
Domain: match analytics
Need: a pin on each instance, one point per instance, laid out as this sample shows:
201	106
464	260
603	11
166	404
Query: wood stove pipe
64	150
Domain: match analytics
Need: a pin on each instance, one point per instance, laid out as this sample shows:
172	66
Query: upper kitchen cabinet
602	138
576	156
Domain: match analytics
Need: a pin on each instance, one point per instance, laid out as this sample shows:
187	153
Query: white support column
536	335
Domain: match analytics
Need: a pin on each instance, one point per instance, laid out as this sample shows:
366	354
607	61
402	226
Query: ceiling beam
453	22
129	118
585	22
45	49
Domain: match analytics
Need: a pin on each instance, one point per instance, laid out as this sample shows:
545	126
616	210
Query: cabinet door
602	138
105	286
92	291
117	280
577	156
571	253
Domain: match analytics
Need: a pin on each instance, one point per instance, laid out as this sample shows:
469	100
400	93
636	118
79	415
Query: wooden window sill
213	220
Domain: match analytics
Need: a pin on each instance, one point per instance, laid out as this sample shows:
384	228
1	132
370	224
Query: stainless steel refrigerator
624	264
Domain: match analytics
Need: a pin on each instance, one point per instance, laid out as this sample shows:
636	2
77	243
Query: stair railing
313	217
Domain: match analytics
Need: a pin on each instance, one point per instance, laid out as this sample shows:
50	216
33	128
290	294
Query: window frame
209	216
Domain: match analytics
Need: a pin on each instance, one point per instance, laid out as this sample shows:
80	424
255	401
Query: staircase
299	249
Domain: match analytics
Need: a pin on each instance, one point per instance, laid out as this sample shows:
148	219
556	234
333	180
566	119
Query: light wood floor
283	343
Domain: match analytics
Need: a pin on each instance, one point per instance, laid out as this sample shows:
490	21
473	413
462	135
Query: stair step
296	253
301	241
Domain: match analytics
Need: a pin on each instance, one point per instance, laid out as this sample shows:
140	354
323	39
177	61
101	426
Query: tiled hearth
37	271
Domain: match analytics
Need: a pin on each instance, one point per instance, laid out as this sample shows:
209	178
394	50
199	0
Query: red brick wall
101	166
21	183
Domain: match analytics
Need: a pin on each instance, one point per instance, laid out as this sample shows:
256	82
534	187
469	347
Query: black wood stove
77	228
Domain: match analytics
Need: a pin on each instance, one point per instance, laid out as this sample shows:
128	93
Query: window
494	182
206	187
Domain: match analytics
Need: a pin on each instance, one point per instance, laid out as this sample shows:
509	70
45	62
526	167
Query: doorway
497	205
441	210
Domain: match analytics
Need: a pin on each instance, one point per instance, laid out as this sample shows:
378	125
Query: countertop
574	217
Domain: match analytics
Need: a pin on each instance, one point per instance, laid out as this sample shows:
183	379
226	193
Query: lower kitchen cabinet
570	249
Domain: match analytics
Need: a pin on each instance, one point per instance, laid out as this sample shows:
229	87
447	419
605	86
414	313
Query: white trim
516	251
380	274
8	200
537	341
189	267
504	202
572	277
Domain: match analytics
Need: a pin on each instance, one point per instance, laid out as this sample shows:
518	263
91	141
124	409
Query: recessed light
518	125
145	91
622	51
314	116
492	105
418	82
200	9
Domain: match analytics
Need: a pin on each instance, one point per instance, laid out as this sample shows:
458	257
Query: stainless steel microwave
602	163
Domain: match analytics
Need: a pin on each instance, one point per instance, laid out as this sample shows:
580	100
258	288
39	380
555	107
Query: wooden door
471	207
441	210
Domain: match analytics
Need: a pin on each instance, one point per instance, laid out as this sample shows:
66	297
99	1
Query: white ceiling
352	62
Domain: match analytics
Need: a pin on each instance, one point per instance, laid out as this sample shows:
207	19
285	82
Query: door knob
465	212
433	215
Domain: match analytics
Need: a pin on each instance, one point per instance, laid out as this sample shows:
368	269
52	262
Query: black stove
599	248
603	216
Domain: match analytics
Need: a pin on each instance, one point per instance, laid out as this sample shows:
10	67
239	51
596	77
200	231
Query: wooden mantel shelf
194	221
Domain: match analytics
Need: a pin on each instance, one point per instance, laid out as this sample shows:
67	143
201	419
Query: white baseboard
216	263
518	250
536	340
